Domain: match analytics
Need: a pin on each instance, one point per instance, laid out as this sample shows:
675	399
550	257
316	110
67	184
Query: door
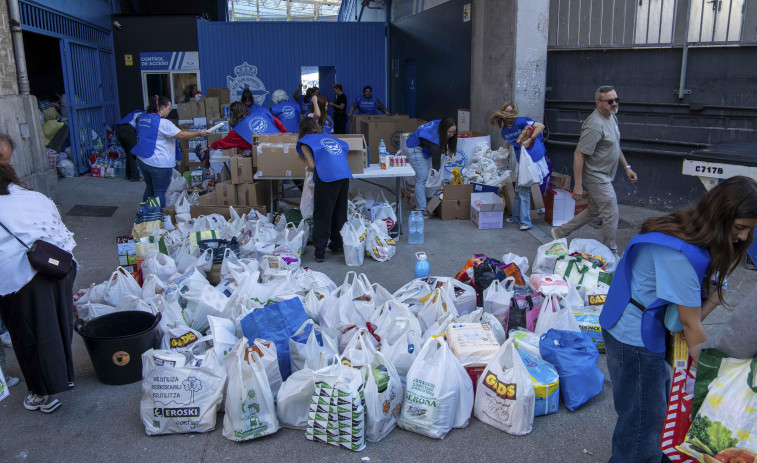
410	92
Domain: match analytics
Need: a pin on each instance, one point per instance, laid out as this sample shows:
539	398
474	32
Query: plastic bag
308	344
360	349
439	393
520	261
190	405
392	320
383	398
433	183
555	315
435	306
497	298
182	208
353	242
221	330
120	282
403	352
293	399
385	214
528	172
378	243
574	356
479	316
160	265
549	284
307	201
65	168
505	393
547	254
250	412
594	248
266	354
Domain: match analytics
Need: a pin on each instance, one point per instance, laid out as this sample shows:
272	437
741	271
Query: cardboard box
242	170
212	108
457	192
226	194
487	210
223	95
484	188
356	119
197	108
559	181
214	137
278	159
357	155
537	202
224	129
184	110
433	203
463	120
251	194
389	129
454	209
208	199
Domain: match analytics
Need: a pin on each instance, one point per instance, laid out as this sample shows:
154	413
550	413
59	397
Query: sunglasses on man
611	100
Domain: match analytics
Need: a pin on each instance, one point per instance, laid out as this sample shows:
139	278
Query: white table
369	173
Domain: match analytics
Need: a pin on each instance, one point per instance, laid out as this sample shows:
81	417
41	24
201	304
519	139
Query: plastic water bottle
422	267
382	148
416	228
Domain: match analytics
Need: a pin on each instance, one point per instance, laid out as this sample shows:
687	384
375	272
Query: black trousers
329	214
40	320
340	123
127	136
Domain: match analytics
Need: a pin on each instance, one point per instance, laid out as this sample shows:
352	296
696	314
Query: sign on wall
168	60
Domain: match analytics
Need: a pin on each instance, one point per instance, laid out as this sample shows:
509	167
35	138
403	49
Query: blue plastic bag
575	356
276	322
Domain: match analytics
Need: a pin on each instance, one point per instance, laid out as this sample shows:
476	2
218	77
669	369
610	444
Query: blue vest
289	115
428	131
537	150
367	106
329	154
131	118
147	135
618	297
258	122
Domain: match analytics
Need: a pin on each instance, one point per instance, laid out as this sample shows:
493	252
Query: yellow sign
128	60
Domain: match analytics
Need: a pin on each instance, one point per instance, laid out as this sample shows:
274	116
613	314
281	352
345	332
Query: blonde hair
502	116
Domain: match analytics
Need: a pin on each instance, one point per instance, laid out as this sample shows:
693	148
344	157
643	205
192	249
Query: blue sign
167	60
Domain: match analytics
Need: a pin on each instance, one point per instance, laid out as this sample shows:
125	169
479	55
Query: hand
204	133
631	175
203	149
578	192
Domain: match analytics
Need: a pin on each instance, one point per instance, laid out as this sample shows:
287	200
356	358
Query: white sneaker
525	227
11	381
5	338
45	403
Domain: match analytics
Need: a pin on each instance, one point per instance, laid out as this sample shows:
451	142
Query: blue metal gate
88	73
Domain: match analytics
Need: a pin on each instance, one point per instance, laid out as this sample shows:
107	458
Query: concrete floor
101	423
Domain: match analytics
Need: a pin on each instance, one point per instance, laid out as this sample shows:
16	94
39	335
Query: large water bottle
422	267
416	228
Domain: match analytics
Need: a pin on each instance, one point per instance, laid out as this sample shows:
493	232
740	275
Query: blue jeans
522	205
421	165
640	388
157	180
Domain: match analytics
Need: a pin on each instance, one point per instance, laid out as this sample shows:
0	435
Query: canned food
225	111
247	153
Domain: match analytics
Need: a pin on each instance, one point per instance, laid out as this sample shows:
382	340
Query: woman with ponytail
156	148
513	128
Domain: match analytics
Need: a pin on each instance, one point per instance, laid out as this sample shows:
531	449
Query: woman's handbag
46	258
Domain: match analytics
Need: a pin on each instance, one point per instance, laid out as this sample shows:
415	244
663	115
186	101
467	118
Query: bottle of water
416	228
422	267
382	148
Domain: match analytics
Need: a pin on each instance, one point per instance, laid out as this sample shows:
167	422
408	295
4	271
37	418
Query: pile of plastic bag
487	166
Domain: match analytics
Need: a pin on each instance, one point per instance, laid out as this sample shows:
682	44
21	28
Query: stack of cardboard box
452	203
387	128
197	114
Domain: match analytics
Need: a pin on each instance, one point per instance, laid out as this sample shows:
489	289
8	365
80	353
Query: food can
247	153
225	111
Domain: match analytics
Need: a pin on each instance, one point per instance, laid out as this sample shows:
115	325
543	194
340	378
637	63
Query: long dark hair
447	143
157	102
708	224
237	112
247	96
308	126
8	176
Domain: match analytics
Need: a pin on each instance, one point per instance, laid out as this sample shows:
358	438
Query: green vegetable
720	436
698	433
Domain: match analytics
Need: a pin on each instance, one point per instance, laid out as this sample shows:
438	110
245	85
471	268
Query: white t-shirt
165	146
31	216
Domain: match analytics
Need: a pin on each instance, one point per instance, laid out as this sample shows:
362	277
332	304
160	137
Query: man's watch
627	167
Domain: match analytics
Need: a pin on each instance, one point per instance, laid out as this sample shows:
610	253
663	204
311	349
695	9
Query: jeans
522	205
421	165
602	203
157	180
640	387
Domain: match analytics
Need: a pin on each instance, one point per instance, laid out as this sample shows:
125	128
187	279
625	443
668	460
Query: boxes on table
276	156
223	95
197	107
357	156
224	129
242	170
208	199
389	129
212	108
184	110
486	210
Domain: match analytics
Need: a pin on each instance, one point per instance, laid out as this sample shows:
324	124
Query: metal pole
685	56
18	47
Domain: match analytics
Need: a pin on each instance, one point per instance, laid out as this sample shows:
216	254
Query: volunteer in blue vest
156	147
287	112
126	134
513	127
670	277
304	102
368	104
249	101
326	156
424	149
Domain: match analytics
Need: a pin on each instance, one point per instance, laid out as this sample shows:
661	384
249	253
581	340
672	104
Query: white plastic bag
439	393
520	261
547	254
250	412
435	306
354	246
378	243
221	330
403	352
120	282
160	265
505	393
555	315
382	408
433	183
595	248
182	208
308	344
307	201
392	320
267	356
497	298
360	349
293	399
385	214
528	172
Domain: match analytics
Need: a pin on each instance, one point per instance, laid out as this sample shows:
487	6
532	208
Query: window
175	75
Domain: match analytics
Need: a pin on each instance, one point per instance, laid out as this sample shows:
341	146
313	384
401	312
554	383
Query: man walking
595	163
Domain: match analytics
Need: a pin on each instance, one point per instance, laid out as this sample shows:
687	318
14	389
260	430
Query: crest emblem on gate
246	77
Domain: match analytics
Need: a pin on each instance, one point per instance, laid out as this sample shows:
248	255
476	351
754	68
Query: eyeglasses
610	101
451	132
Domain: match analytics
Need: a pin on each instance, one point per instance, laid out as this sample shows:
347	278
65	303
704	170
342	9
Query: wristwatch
627	167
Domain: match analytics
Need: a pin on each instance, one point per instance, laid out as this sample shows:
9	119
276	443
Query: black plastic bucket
115	343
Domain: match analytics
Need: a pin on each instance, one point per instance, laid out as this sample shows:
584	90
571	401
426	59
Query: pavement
102	423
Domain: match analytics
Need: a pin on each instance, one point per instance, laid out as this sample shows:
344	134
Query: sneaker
525	227
11	381
511	220
5	338
45	403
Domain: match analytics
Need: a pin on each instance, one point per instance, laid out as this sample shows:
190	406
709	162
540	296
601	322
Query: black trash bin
115	343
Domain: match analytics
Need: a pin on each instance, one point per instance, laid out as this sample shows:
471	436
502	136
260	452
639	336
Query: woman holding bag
673	271
424	149
37	309
522	132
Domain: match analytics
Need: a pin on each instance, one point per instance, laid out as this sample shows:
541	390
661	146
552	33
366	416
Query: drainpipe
685	57
18	47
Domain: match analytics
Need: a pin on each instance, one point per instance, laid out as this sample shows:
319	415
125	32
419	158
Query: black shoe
335	252
319	259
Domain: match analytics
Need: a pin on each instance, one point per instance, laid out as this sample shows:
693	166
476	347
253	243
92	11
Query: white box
463	120
563	208
487	210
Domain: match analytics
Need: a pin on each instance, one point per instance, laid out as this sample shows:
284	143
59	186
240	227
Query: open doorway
323	77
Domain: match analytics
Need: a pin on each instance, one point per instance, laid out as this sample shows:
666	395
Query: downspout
18	47
684	57
387	53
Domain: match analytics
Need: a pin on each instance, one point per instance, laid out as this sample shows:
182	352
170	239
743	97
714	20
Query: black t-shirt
341	99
